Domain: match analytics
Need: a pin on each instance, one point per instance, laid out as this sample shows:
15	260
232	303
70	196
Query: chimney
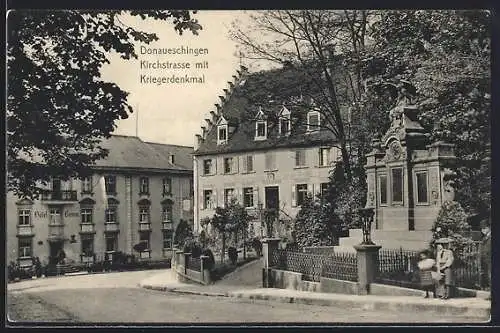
203	131
222	99
231	85
235	78
209	122
226	92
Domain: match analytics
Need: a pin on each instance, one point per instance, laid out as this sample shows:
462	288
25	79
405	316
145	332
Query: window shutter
202	200
215	203
214	161
294	200
310	188
244	164
255	196
297	157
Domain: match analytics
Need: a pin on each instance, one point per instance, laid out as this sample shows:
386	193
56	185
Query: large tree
58	106
310	41
446	56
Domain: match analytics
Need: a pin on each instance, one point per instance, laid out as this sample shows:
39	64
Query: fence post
205	272
269	247
367	256
186	261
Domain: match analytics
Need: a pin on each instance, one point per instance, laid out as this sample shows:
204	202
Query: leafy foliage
183	232
446	55
315	225
451	222
58	107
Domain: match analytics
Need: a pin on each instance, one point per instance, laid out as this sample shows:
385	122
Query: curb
441	308
477	311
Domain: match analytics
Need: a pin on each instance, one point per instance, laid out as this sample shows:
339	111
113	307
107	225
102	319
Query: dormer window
313	121
284	121
260	130
222	131
260	126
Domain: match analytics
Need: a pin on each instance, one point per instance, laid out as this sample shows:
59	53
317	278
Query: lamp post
367	219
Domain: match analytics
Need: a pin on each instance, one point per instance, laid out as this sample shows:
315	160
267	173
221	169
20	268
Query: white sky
173	113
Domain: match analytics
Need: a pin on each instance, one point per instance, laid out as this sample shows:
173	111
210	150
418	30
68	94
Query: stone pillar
269	247
205	271
186	261
367	255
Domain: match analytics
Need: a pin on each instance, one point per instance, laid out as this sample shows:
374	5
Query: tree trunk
345	160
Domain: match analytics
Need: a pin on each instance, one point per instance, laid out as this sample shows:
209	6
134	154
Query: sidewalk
467	307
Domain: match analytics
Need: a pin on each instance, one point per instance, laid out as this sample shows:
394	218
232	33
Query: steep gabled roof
253	95
132	152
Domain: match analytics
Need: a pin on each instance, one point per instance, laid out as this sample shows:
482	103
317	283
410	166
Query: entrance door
55	248
272	208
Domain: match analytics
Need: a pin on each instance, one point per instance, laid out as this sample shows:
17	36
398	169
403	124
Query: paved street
116	298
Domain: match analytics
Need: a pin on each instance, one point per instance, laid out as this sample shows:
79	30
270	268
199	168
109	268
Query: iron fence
193	264
399	267
341	266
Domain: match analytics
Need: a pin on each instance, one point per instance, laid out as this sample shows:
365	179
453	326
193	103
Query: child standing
425	266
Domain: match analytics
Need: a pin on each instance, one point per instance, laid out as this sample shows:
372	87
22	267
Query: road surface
116	298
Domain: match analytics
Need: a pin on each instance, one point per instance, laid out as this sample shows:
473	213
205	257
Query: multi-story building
267	156
138	193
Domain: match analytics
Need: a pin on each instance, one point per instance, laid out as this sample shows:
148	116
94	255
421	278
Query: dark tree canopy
58	107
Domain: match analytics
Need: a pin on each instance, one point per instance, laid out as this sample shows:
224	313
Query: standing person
486	255
444	263
425	267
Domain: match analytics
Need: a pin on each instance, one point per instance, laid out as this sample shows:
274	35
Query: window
25	245
208	167
382	179
323	188
207	199
270	161
144	185
301	193
248	163
167	186
167	239
229	165
145	237
87	242
284	126
86	184
324	156
111	215
313	121
86	215
397	185
222	134
228	195
55	216
111	242
143	214
248	197
167	213
300	157
110	184
421	187
56	185
24	217
260	130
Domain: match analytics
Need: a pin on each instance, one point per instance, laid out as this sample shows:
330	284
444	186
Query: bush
451	222
233	254
257	246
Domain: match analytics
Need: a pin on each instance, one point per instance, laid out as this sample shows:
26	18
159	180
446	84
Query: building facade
139	193
267	156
